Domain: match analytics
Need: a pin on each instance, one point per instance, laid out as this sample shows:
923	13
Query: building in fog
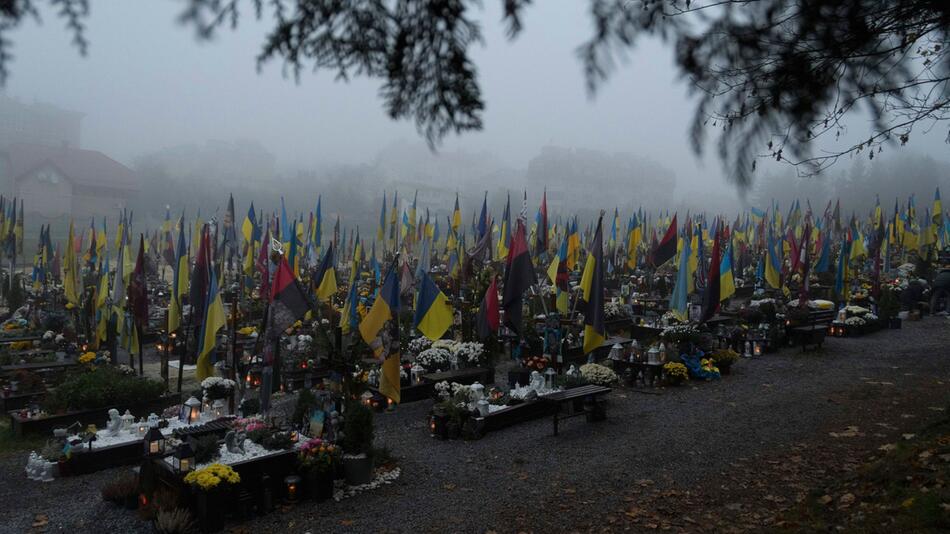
41	162
62	182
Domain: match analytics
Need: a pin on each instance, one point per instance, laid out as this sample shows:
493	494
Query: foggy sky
148	83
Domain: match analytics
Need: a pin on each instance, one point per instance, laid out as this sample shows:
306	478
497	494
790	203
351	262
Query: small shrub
121	488
357	429
206	448
177	521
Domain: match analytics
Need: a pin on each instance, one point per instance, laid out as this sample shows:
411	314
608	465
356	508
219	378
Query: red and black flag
711	296
288	300
488	316
667	248
519	276
541	238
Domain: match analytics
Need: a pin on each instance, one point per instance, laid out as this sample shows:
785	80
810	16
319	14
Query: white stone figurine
114	424
537	381
478	392
234	442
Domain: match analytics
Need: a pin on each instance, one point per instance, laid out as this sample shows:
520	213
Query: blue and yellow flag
179	282
215	319
385	308
433	313
727	283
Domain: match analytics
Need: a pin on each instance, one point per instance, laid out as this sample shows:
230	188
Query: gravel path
523	478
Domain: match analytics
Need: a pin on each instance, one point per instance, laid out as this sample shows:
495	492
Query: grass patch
906	490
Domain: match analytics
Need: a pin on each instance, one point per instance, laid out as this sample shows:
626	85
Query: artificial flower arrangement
679	334
210	477
856	311
464	354
709	365
21	345
418	345
87	357
536	363
434	359
598	374
675	371
318	455
446	390
615	310
216	387
247	331
855	321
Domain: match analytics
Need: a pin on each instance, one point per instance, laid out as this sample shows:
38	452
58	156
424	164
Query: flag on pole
592	283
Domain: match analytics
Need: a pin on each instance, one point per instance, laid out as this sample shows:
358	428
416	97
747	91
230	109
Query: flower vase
358	469
210	511
674	380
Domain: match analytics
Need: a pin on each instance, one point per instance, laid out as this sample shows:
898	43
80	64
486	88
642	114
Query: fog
159	100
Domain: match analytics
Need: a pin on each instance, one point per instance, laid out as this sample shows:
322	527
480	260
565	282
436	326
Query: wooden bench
593	406
812	331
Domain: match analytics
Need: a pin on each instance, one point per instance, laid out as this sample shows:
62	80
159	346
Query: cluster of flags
292	264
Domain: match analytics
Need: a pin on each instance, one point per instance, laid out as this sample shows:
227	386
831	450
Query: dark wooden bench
593	406
812	330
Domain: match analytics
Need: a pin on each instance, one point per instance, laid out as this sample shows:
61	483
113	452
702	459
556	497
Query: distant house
62	182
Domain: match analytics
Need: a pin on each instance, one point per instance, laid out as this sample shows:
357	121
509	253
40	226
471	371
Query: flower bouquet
598	374
724	358
211	483
434	359
536	363
215	387
675	373
319	461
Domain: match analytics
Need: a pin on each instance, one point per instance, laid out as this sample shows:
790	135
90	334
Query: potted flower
675	373
724	358
318	460
211	484
434	359
357	443
598	374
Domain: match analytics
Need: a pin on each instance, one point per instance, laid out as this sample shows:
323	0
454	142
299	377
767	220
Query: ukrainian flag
679	302
179	283
773	264
214	321
727	283
385	308
433	312
326	276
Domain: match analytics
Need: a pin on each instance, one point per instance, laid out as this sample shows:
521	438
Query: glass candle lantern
292	485
184	459
190	411
757	347
219	408
141	428
154	442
